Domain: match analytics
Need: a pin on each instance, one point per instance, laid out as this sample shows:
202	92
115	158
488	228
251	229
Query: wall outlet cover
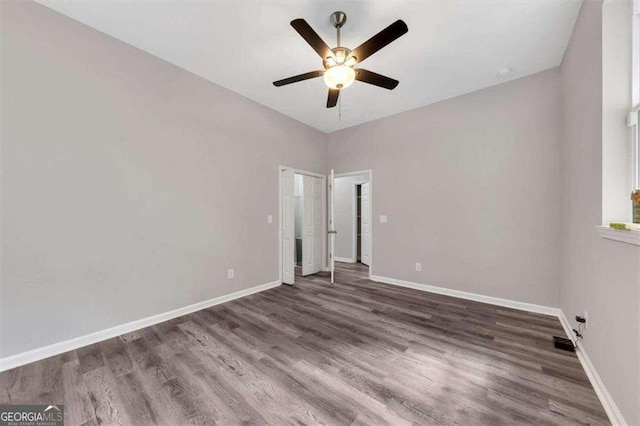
419	267
383	218
230	273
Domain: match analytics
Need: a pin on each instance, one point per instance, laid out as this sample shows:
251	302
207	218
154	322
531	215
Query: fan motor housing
338	19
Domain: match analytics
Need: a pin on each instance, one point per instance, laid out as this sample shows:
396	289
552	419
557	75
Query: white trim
635	94
302	172
634	181
368	172
632	121
530	307
356	173
615	416
323	201
344	260
89	339
628	236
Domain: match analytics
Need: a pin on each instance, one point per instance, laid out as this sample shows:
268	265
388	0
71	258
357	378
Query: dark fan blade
376	79
332	99
311	37
296	78
380	40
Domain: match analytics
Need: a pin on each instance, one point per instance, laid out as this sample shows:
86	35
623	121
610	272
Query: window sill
621	235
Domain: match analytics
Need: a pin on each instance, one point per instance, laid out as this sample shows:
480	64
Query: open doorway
302	223
352	216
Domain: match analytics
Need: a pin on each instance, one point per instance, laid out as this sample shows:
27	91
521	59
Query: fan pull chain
340	109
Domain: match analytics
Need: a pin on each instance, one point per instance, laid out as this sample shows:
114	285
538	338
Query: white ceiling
452	47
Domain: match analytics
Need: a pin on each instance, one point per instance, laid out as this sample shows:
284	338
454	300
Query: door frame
323	224
368	172
354	209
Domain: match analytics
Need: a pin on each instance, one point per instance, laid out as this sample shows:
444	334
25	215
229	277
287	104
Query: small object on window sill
616	225
625	226
635	202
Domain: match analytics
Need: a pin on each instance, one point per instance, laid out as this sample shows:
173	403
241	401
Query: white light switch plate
383	218
230	273
269	219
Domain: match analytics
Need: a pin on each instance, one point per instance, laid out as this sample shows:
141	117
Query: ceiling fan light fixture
339	77
339	62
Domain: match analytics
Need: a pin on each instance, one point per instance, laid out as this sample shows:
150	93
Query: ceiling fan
339	72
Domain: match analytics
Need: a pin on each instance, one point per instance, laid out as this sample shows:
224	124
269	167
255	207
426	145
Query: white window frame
634	118
634	115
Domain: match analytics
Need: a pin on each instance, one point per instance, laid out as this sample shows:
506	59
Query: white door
288	227
332	229
312	216
365	230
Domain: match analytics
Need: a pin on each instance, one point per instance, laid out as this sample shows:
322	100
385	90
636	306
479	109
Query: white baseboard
344	259
615	416
89	339
529	307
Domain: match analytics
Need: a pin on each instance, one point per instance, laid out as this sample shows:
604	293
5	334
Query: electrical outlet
383	218
586	319
418	267
230	273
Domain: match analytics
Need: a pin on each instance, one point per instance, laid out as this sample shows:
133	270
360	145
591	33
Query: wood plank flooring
351	353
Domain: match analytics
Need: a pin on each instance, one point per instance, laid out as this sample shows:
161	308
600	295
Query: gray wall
471	189
599	275
343	214
129	185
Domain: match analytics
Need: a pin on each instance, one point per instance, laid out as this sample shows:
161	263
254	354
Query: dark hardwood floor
355	352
